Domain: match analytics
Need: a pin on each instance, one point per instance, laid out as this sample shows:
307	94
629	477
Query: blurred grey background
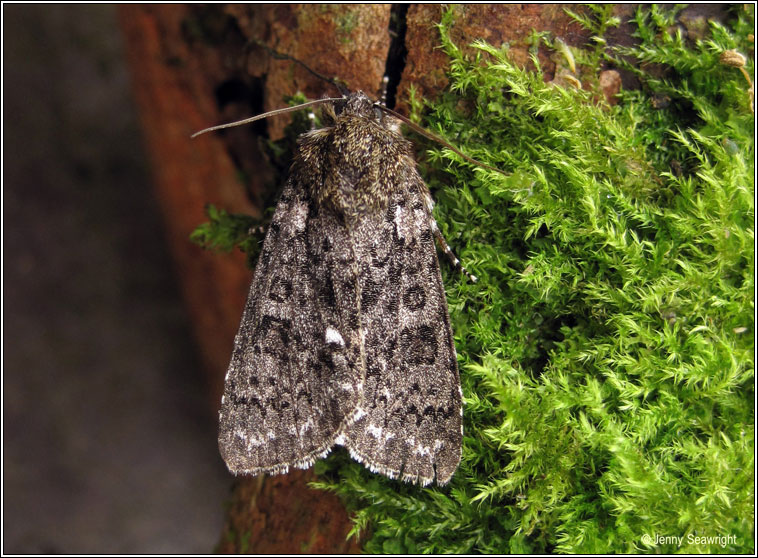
109	441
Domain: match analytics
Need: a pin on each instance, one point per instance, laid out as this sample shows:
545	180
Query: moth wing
409	421
296	372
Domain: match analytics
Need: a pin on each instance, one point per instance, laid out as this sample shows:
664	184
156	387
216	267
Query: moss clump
607	351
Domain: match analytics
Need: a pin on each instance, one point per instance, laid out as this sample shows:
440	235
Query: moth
345	337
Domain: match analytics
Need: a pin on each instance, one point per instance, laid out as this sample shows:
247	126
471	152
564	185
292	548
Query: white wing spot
333	337
250	442
300	216
422	450
379	433
375	431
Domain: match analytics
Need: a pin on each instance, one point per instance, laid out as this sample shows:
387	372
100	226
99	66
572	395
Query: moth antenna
416	128
281	56
267	114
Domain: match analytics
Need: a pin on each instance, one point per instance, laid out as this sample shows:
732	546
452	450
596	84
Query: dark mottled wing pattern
346	336
296	372
409	422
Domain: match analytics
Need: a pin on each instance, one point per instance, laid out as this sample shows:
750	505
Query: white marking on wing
333	337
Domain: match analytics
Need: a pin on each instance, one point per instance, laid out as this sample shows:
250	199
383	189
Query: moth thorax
353	196
364	162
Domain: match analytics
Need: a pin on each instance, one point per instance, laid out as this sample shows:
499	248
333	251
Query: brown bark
196	66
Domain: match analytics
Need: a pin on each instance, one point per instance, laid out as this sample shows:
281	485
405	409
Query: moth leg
253	243
456	263
257	230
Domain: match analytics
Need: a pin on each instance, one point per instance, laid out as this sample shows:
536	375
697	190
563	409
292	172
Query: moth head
359	104
351	104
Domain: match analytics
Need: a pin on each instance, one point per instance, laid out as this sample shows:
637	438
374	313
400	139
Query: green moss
225	231
244	542
345	18
607	351
346	23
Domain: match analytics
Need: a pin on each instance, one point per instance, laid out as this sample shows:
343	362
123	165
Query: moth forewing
345	338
